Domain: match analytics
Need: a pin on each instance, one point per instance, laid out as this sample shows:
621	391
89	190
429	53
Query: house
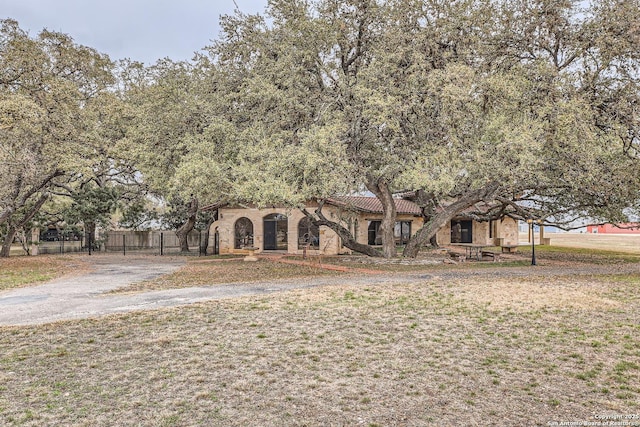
627	228
289	230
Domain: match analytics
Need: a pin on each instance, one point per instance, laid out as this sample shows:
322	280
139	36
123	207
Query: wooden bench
490	254
508	249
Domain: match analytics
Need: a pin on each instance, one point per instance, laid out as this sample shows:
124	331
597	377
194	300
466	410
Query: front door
270	228
275	232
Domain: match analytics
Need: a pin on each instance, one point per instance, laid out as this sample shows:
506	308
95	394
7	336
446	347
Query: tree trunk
19	202
347	238
427	203
24	241
381	190
89	235
185	229
13	227
6	214
207	231
428	231
442	218
8	240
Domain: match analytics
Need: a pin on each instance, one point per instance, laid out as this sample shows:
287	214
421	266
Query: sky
141	30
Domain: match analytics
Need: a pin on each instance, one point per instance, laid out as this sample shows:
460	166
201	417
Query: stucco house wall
330	242
505	231
227	218
365	219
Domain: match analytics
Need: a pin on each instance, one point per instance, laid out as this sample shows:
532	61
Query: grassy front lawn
588	255
216	271
521	351
23	271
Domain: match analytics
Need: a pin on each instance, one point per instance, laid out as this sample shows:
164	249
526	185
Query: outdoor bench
509	248
490	254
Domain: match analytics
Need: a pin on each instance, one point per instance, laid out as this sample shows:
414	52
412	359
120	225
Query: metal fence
59	247
158	242
133	242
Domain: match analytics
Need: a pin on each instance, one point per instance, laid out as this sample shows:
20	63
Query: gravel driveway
83	296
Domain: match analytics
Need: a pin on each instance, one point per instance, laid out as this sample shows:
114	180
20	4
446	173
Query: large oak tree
51	92
531	104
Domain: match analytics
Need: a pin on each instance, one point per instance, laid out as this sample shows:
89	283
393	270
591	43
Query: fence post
124	245
199	242
161	243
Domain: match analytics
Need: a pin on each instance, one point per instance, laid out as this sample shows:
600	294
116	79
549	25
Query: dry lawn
612	242
24	271
217	271
480	352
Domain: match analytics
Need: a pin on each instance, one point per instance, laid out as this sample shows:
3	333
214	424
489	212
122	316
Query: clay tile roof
373	205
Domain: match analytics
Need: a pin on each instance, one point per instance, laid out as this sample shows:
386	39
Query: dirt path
83	296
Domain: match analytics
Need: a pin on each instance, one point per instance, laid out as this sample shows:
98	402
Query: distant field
613	242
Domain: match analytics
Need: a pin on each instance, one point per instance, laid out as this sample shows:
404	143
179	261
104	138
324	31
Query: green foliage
527	103
465	101
138	215
506	96
92	204
175	214
58	121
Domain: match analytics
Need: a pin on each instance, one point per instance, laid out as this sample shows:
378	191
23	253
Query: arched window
308	234
243	231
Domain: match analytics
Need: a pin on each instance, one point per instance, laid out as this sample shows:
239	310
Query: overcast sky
142	30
